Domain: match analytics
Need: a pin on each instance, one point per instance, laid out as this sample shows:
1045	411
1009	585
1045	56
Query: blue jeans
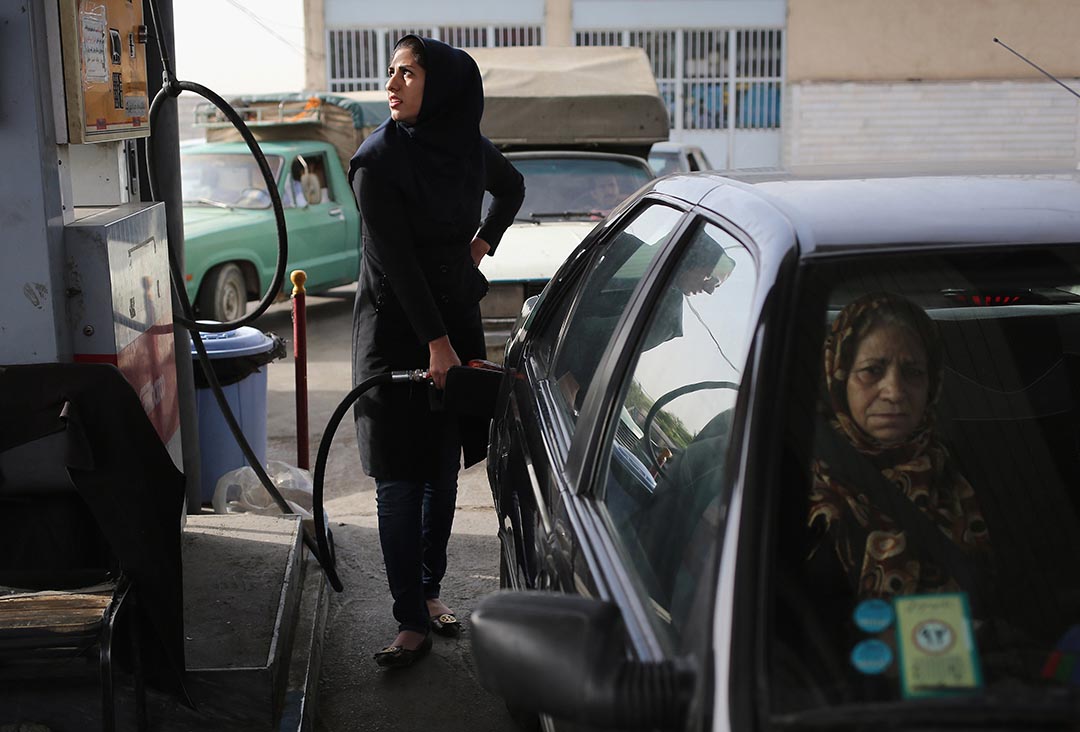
415	519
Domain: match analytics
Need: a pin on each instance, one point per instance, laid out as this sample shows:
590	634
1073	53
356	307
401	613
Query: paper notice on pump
92	44
936	646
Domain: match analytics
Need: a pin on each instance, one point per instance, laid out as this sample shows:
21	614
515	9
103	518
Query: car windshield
927	529
576	188
226	180
663	163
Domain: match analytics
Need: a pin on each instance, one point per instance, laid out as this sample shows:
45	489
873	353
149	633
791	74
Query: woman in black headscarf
419	180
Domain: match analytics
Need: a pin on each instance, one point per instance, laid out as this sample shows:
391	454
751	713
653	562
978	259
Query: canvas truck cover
343	119
572	96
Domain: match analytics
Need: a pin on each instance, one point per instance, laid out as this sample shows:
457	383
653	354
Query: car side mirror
564	656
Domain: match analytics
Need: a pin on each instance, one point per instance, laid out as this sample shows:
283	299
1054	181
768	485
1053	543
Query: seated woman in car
882	376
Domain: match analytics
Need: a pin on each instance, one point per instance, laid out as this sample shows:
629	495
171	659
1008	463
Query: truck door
315	217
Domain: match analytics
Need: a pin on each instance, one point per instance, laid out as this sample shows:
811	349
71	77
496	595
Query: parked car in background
578	124
655	458
677	157
230	234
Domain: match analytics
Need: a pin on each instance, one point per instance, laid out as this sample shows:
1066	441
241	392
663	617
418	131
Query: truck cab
578	124
231	243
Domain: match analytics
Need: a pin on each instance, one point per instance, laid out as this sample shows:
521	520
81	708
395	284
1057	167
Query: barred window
696	71
357	58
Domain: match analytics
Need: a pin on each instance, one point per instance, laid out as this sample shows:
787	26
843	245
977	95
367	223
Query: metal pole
732	95
299	318
166	148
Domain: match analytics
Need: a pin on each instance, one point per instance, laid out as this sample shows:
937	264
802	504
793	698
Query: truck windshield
226	180
576	188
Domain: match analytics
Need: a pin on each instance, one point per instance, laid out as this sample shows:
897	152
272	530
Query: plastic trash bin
238	357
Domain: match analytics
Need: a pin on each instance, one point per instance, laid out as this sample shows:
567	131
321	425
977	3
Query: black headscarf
430	156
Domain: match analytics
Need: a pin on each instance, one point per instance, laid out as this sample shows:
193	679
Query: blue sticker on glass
871	656
873	616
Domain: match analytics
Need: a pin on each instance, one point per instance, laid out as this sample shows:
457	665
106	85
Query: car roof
282	147
843	216
577	154
671	147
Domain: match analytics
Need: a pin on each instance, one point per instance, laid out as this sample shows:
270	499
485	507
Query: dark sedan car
691	536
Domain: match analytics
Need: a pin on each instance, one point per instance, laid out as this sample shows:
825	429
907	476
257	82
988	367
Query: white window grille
353	60
696	71
357	58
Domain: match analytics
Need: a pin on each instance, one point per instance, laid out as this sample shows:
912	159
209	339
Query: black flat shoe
399	656
446	624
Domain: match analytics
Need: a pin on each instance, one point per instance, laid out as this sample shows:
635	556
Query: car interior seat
309	182
1008	412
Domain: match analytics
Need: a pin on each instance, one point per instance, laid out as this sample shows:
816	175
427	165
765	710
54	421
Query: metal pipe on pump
166	152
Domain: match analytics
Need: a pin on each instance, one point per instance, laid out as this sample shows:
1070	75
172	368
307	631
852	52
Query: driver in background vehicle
605	194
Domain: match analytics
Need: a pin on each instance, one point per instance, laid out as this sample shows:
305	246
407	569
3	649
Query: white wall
351	14
587	13
751	148
931	124
679	13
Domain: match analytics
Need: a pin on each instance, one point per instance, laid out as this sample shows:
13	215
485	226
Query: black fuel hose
323	536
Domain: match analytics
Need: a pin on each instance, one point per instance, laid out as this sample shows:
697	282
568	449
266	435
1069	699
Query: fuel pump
85	265
99	287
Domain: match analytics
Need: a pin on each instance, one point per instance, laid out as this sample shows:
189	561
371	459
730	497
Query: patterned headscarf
869	544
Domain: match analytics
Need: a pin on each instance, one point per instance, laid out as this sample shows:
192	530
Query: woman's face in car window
888	385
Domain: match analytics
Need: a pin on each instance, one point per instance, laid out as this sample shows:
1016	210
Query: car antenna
1044	72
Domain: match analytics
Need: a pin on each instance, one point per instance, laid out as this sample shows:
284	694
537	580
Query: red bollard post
299	318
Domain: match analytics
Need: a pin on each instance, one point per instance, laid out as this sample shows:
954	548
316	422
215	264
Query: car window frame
756	583
625	589
614	360
584	463
570	279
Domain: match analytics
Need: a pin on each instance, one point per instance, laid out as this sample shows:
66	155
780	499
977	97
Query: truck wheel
223	295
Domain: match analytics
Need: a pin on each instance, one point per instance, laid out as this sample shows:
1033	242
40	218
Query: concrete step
255	609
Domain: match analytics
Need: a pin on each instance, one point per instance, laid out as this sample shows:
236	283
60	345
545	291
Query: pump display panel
104	57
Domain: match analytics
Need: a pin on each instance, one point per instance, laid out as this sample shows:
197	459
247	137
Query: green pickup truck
230	237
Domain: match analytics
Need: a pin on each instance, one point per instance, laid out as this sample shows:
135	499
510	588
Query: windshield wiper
529	219
566	214
1040	708
208	202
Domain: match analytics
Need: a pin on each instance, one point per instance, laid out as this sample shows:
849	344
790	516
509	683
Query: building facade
860	85
718	63
882	85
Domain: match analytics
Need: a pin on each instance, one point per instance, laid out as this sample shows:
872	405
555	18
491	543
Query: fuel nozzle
414	375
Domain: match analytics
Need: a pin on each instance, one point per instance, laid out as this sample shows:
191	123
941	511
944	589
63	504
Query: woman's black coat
420	189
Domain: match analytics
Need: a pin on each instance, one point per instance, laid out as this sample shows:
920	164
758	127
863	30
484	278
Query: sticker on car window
873	616
935	645
871	656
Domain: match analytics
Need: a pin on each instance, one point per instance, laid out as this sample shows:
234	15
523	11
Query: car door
653	435
315	221
533	439
662	449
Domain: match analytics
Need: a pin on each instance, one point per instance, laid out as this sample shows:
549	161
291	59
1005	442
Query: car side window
307	183
602	299
666	465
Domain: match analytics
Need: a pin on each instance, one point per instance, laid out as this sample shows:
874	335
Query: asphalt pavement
441	692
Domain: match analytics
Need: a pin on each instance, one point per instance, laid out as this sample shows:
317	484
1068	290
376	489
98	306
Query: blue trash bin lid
243	341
